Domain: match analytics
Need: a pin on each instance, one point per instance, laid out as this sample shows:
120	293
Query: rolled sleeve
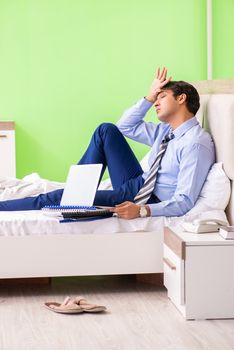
133	126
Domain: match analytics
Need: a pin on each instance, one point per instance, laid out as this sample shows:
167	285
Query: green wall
68	65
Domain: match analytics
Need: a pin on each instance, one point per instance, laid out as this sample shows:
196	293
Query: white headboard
216	114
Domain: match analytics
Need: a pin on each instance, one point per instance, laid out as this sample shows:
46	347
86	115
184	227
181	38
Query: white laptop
79	191
81	185
78	195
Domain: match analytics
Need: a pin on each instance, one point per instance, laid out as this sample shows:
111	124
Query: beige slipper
86	306
74	306
67	307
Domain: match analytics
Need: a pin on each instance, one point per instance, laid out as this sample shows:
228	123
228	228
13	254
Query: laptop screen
81	185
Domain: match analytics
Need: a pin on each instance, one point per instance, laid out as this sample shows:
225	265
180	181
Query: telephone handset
203	226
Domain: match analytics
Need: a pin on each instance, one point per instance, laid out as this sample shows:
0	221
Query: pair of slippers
74	306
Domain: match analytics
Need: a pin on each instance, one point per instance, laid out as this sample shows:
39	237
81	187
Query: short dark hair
181	87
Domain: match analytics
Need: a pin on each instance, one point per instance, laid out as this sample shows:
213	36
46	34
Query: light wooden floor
139	317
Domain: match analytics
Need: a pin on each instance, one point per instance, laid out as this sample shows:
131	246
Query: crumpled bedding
30	185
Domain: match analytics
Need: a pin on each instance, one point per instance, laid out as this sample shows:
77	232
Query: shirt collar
183	128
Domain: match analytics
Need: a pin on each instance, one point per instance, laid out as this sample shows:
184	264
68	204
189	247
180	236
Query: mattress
24	223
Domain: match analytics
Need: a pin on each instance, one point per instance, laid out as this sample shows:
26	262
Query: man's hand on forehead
158	83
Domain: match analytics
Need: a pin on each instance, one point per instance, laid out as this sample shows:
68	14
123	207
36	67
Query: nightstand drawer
173	275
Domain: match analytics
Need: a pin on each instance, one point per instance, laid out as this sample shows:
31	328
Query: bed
33	245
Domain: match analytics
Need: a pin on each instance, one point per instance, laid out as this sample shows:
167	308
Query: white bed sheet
22	223
34	222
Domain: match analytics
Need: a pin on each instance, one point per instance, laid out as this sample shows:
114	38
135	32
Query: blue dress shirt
185	164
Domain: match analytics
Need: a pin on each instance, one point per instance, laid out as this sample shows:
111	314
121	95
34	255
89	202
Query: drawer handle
169	264
3	135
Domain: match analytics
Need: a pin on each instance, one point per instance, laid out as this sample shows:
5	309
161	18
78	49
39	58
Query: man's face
166	105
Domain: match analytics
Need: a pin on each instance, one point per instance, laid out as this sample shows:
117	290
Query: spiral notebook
78	195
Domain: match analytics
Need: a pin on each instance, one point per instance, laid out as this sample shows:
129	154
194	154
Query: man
181	156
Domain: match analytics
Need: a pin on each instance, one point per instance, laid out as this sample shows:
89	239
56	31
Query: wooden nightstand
199	273
7	149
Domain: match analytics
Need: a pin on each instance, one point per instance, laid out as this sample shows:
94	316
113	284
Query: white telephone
203	226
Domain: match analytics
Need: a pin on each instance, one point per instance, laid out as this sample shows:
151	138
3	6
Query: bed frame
118	253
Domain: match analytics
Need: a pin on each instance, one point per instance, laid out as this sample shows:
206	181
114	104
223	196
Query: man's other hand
128	210
158	83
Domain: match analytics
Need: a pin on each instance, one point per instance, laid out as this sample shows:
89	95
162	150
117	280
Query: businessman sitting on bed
181	156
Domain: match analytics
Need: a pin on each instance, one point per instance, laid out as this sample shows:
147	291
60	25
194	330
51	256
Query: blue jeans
109	147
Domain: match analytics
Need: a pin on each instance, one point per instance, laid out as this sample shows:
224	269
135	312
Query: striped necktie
146	190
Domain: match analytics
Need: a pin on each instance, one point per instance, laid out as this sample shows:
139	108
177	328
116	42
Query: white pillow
145	162
215	193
